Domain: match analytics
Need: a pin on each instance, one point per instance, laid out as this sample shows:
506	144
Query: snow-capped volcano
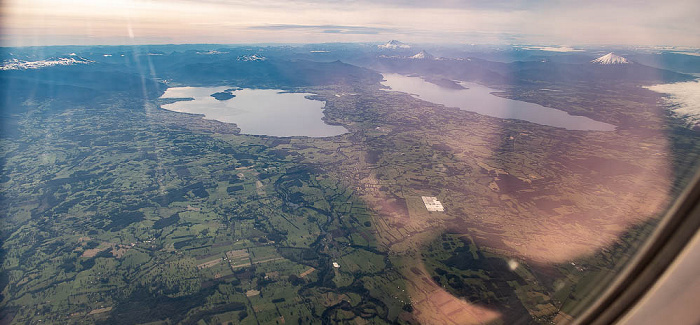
423	55
610	58
393	45
16	64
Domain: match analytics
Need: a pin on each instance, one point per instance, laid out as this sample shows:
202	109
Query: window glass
362	162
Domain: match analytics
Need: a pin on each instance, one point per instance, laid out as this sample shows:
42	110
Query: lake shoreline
267	112
480	99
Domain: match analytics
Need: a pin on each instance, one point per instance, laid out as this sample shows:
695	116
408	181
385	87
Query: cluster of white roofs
432	204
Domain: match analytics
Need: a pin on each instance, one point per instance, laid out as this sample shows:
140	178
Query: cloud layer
336	29
685	98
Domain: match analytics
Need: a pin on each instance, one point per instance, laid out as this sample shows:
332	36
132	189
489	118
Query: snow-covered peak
254	57
393	45
16	64
423	55
610	58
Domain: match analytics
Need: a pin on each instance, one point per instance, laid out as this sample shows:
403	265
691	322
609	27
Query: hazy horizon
129	22
527	46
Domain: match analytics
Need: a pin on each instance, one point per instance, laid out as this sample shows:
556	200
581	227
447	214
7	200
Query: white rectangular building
432	204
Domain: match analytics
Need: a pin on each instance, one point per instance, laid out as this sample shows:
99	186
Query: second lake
479	99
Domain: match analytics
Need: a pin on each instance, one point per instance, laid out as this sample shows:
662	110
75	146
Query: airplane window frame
674	232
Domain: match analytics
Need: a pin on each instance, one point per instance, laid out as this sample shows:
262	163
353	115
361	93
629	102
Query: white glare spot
513	264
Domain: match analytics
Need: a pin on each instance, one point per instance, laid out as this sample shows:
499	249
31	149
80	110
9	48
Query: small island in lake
224	95
445	83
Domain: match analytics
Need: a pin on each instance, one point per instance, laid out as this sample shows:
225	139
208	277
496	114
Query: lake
478	99
257	111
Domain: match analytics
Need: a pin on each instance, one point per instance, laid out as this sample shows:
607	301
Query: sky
544	22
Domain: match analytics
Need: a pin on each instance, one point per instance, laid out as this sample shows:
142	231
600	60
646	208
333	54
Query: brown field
307	272
209	264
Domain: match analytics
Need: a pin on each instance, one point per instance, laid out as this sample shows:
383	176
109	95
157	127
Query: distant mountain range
608	68
17	64
145	76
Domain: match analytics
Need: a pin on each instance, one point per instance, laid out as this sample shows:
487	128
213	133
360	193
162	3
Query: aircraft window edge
675	230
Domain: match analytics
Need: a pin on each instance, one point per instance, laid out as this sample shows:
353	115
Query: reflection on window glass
274	163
